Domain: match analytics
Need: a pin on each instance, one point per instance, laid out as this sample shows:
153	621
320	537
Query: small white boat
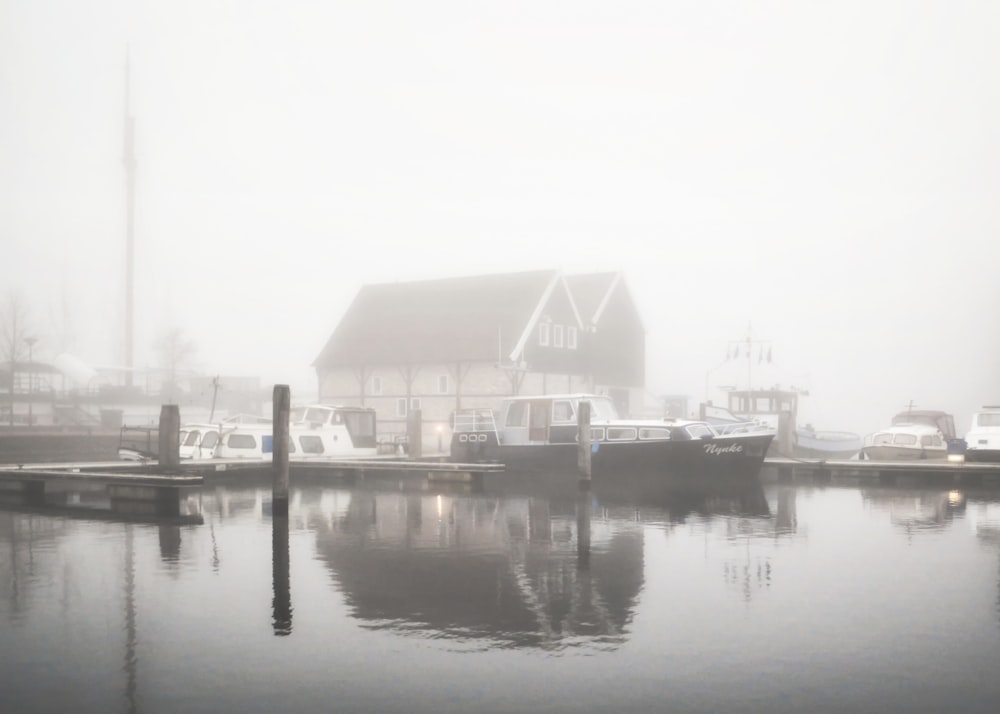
913	435
315	431
982	442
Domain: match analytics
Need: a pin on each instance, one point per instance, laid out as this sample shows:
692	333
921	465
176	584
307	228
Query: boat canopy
942	421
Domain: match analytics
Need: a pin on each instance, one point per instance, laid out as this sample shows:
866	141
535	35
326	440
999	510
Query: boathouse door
538	425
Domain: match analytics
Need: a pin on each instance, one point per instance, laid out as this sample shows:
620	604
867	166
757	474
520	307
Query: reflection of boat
812	444
681	495
540	432
982	442
914	434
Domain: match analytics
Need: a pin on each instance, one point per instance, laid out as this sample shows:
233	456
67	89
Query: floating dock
931	471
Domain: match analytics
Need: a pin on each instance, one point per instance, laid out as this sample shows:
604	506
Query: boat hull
902	453
742	454
986	456
825	445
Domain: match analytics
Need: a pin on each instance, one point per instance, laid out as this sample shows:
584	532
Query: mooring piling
169	454
282	401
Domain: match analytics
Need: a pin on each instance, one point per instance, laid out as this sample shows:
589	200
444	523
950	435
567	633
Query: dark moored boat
540	433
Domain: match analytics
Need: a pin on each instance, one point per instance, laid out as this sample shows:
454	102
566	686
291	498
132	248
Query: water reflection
762	582
913	510
505	571
281	619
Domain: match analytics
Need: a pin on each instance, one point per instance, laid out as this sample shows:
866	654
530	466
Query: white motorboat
982	442
913	434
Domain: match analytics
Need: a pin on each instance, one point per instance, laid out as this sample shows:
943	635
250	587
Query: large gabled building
442	345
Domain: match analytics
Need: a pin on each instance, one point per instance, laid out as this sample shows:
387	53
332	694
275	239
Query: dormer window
557	335
543	334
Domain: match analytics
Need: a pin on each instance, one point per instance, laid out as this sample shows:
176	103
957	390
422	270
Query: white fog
823	174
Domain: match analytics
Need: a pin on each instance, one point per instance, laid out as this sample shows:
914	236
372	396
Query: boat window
905	439
653	433
517	414
621	433
562	411
926	440
192	438
697	431
311	444
210	439
597	434
882	438
360	423
241	441
991	419
317	416
297	414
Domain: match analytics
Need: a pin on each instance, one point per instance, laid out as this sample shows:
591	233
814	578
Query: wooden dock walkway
930	470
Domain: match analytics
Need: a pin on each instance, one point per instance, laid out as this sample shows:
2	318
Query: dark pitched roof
468	318
589	291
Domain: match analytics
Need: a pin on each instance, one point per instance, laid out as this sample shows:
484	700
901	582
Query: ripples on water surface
773	598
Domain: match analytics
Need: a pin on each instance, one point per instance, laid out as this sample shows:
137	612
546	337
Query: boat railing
739	427
474	420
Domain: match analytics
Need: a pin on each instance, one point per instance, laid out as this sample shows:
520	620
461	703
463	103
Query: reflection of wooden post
282	603
169	454
279	449
583	439
583	529
414	434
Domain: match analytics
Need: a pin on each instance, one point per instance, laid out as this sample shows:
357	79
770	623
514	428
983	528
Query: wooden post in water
282	401
169	454
414	434
583	454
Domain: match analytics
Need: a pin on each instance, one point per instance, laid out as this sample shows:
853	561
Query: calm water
769	598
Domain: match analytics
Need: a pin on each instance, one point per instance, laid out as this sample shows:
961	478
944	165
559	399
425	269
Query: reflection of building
503	570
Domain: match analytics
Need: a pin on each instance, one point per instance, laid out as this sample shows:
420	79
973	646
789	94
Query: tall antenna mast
129	160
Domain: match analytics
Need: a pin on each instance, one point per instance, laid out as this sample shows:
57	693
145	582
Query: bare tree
13	331
175	351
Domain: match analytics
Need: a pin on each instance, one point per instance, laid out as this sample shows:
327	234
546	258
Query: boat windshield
988	419
602	408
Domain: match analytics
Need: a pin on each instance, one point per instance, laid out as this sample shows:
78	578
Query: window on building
401	407
376	385
415	403
557	335
571	337
543	334
443	384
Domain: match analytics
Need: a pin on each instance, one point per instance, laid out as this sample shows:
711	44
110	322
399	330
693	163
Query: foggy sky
826	173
